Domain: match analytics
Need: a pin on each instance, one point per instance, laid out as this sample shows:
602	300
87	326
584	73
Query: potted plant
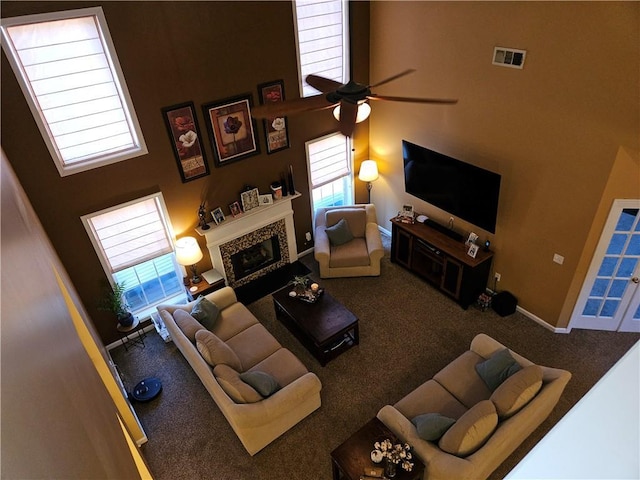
114	302
299	283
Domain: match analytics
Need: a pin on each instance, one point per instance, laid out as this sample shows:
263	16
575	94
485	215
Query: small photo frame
250	199
235	209
266	199
217	215
407	211
472	239
473	250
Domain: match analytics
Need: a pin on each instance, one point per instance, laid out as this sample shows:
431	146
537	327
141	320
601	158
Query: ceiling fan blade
291	107
412	99
324	85
395	77
348	113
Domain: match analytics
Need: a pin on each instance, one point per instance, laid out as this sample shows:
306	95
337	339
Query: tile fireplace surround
251	228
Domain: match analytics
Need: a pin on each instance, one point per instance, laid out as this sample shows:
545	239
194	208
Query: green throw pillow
431	426
262	382
497	368
206	312
339	233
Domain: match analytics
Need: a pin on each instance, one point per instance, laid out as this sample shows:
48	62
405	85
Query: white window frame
137	146
348	178
106	264
320	44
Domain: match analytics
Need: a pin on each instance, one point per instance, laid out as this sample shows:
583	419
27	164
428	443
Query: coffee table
349	460
326	328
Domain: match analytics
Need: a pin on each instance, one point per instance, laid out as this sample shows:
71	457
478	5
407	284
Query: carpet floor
408	332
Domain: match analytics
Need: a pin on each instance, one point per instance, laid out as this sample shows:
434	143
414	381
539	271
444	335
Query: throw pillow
471	430
236	389
431	426
264	383
215	351
496	369
517	390
205	311
340	233
187	324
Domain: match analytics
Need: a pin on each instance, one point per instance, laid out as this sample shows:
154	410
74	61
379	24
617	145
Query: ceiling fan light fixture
364	110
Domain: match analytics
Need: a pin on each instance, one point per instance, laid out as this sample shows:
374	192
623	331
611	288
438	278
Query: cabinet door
452	278
402	248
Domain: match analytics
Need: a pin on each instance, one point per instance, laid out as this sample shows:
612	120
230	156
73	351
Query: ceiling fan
349	101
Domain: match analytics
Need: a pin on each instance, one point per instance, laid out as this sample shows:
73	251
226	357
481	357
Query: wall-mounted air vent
509	57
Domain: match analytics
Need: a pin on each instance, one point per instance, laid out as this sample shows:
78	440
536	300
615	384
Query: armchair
359	257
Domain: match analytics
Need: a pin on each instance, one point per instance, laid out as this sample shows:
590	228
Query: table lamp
368	173
188	253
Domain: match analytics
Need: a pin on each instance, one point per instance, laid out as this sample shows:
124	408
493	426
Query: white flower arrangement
399	453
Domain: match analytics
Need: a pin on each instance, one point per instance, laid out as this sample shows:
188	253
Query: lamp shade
188	251
368	171
363	112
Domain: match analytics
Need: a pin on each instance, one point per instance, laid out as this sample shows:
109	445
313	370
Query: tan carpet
408	331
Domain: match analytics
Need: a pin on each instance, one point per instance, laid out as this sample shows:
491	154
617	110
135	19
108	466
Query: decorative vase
390	469
291	186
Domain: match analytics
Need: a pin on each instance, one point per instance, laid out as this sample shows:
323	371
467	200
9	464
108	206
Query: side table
136	340
211	281
349	460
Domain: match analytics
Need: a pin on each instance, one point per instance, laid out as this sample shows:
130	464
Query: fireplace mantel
234	227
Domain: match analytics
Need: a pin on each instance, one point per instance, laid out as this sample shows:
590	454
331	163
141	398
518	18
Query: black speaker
504	303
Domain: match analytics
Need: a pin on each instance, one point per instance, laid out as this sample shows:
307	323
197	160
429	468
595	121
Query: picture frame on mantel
276	129
231	129
184	134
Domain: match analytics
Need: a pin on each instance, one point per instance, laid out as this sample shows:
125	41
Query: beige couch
358	258
241	344
454	392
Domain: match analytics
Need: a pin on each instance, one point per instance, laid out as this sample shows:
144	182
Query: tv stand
440	260
442	229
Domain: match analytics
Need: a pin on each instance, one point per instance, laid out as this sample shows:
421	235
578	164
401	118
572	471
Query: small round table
137	340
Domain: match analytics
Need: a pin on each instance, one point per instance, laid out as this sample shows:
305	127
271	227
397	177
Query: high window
68	70
134	244
330	173
322	35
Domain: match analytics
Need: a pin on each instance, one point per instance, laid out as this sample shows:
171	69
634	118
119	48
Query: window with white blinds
322	40
68	70
131	233
329	166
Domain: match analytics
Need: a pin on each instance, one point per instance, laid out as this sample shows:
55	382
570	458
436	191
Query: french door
610	296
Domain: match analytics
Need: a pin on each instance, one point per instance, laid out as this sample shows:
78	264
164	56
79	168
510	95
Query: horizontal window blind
328	159
71	81
130	234
322	40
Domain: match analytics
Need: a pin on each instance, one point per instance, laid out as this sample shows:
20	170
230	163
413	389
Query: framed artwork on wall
231	129
275	128
182	126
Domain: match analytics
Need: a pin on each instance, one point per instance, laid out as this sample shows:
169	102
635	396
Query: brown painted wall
170	52
552	130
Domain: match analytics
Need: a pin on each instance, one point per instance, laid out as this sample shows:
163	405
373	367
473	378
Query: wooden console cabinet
440	260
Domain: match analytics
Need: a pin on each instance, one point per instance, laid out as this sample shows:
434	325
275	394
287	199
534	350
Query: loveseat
472	427
348	241
236	346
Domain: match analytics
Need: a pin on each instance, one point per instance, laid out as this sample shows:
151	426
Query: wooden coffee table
349	460
326	328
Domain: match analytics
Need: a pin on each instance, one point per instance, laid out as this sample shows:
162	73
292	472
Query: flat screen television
461	189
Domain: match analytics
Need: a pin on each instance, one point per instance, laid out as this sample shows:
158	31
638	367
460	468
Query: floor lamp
368	173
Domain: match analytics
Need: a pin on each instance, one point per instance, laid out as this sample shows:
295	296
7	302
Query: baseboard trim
540	321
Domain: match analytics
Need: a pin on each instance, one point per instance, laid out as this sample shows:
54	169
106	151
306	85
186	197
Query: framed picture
473	250
182	125
275	128
472	239
235	209
218	216
231	129
407	211
250	199
266	199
